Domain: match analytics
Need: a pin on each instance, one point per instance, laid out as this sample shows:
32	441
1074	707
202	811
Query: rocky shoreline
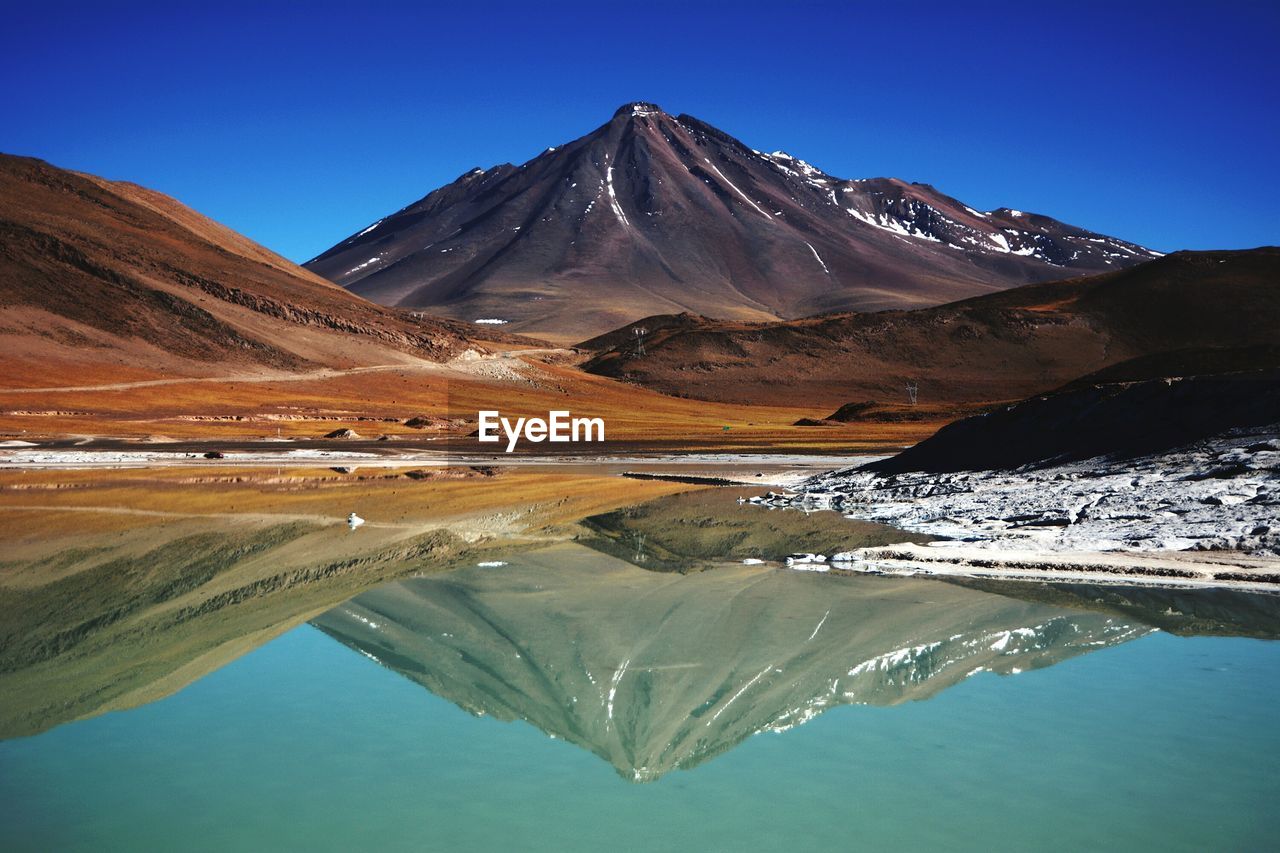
1221	495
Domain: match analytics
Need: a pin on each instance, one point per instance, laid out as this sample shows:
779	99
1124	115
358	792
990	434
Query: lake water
216	680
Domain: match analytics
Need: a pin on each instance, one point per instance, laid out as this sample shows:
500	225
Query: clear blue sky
300	123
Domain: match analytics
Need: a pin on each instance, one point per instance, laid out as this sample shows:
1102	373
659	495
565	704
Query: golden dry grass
374	402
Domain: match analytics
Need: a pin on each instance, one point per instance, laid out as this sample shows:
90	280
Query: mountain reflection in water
654	672
621	619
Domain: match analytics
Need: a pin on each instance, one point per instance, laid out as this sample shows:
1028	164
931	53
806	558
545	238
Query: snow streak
734	187
819	257
613	201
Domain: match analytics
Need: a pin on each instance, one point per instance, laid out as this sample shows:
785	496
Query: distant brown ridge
1190	312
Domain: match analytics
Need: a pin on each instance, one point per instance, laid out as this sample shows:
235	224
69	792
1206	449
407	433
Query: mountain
1189	311
114	279
652	213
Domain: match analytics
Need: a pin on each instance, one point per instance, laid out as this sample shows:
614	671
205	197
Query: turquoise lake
1162	744
566	697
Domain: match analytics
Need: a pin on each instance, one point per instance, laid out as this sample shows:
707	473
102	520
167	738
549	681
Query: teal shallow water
1160	743
624	682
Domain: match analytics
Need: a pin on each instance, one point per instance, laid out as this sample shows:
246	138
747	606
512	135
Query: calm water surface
576	699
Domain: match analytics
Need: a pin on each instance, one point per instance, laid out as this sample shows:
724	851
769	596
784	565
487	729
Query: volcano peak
638	108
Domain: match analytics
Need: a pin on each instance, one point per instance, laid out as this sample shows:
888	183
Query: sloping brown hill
112	279
654	213
1188	308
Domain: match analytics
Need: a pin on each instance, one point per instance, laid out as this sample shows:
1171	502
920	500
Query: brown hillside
1223	307
113	280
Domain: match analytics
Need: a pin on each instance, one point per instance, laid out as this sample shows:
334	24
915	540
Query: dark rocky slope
1117	420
